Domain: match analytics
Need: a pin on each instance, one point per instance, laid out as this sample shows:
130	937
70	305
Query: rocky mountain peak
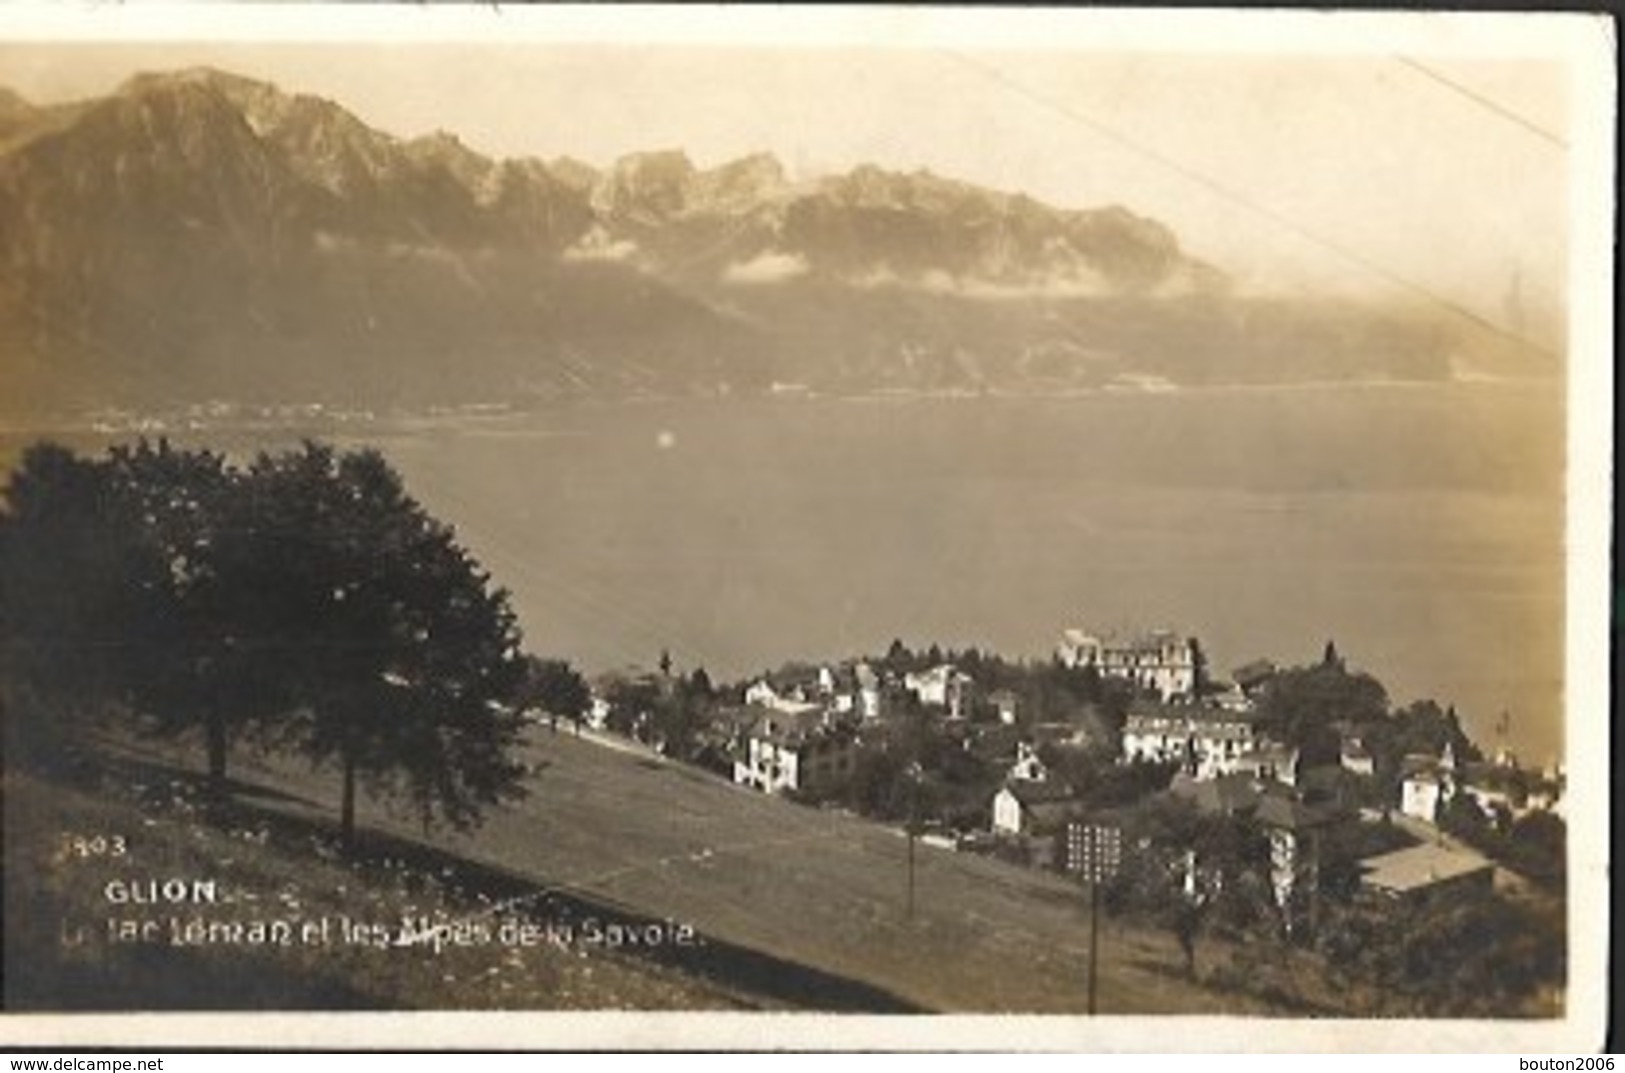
575	174
442	149
645	188
740	185
282	227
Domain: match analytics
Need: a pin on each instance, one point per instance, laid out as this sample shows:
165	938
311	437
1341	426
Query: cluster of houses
1497	787
798	731
1228	765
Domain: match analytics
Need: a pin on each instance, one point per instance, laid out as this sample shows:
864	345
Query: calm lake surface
1418	526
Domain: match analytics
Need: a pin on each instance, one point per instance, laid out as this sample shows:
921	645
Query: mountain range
198	236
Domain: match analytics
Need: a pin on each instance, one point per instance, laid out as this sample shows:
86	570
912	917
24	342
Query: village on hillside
1341	798
1288	835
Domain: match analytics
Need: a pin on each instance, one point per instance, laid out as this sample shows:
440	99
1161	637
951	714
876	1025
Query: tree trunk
347	808
217	746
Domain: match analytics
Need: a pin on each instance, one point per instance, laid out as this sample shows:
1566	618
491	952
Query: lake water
1418	526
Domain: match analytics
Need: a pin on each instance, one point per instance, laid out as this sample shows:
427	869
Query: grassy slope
268	863
810	887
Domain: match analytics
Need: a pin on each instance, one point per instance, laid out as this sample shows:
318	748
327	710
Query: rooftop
786	728
1040	793
1048	816
1151	640
1290	815
1250	674
1196	713
1421	866
1226	795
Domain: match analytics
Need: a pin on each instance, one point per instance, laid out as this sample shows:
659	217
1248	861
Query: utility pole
1094	854
1094	941
913	772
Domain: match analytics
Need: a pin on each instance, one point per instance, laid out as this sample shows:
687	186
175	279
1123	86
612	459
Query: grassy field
792	907
268	863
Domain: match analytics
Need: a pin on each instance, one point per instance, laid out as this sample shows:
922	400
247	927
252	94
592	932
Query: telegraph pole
1093	853
914	773
1094	941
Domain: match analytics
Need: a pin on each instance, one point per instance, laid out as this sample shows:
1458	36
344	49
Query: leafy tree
65	555
1462	817
555	687
1459	954
1190	872
1421	727
1536	846
387	636
877	788
675	723
631	705
1300	706
1200	663
191	665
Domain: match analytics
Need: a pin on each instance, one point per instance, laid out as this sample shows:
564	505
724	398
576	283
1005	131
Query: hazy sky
1447	170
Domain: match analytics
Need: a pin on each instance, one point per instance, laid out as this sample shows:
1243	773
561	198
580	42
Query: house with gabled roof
1034	808
801	752
1427	783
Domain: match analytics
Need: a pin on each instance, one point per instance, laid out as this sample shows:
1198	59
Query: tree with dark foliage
1456	955
1300	706
389	640
557	689
190	664
64	604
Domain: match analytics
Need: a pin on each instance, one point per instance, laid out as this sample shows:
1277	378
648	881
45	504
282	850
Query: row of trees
304	603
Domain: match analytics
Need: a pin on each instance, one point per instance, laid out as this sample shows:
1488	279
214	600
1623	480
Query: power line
1486	102
1237	197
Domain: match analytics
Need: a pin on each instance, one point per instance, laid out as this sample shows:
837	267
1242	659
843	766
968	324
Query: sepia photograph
988	530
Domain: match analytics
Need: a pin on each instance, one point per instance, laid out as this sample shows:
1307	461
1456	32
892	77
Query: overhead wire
1239	198
1484	101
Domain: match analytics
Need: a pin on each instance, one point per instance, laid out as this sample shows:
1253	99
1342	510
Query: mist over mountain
198	236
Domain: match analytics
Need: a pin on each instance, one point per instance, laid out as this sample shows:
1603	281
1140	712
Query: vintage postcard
867	528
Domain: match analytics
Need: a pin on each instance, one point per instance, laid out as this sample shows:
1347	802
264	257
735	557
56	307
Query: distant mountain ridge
198	235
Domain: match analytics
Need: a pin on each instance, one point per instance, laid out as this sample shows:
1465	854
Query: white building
1161	661
763	693
1422	795
1355	757
1033	808
1210	742
942	686
1028	767
794	752
1427	784
868	691
1006	704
